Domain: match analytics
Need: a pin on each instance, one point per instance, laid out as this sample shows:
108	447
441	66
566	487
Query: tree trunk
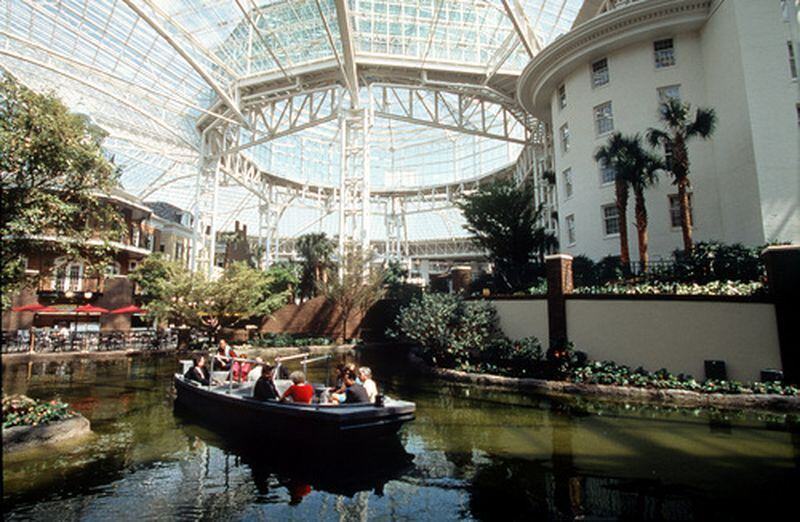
622	212
686	216
641	227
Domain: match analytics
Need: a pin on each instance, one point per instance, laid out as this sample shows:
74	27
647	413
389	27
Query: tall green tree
52	174
641	172
610	154
637	168
503	219
317	252
682	123
242	293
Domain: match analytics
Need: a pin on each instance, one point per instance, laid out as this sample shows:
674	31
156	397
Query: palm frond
657	138
705	121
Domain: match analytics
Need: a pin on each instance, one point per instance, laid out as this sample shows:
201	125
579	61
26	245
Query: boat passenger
241	369
338	393
254	374
354	392
300	391
222	359
365	373
264	388
198	371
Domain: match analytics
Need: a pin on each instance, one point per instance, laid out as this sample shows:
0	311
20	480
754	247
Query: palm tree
639	168
611	154
680	127
317	250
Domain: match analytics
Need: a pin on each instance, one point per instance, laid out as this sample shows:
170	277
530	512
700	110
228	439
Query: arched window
68	275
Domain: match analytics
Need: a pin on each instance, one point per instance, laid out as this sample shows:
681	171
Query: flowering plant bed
28	423
726	288
19	410
607	372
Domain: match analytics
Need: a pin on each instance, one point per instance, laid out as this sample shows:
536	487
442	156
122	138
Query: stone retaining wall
680	398
28	437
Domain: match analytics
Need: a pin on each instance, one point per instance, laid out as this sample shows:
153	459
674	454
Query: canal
472	453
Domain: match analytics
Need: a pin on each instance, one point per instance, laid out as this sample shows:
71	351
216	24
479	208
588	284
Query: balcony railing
47	340
58	285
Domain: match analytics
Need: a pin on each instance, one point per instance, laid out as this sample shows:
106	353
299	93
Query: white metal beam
223	95
348	49
526	35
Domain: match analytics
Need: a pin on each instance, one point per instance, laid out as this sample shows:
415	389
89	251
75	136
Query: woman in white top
365	374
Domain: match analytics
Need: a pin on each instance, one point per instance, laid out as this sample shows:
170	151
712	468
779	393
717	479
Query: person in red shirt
300	391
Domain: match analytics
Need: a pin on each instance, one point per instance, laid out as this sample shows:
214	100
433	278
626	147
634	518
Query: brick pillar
783	282
559	284
462	278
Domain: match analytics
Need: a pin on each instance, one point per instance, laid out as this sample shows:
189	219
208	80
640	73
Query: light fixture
87	295
69	294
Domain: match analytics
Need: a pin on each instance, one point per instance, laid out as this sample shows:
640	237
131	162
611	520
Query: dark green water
471	454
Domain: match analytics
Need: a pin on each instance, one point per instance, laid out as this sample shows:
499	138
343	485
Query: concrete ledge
28	437
110	354
681	398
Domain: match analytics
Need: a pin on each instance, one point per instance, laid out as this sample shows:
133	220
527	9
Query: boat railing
305	361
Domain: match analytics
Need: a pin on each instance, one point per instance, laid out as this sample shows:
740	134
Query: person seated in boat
264	388
354	393
337	393
255	373
198	371
300	391
241	369
222	359
365	374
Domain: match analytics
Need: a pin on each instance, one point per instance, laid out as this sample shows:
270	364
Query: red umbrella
36	307
132	309
89	309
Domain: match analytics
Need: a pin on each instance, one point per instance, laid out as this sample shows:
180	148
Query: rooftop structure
292	116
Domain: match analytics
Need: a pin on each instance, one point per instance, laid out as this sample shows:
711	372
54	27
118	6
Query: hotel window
610	220
567	182
565	138
562	96
670	92
664	51
603	119
792	61
600	72
571	229
607	174
113	269
668	155
675	211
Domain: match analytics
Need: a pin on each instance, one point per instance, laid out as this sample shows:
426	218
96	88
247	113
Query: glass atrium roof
148	71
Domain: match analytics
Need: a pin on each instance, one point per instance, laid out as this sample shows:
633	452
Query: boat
233	405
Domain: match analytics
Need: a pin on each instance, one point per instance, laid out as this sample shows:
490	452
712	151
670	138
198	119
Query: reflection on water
471	453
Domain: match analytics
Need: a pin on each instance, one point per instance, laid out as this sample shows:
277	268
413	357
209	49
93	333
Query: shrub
715	261
19	410
521	358
447	329
584	271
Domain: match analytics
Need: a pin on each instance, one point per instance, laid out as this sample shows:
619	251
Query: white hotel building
610	72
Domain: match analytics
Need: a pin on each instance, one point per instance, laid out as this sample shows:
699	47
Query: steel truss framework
194	90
